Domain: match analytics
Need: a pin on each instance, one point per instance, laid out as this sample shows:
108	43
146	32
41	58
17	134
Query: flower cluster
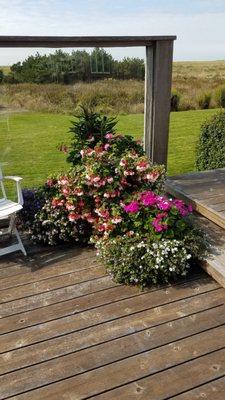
134	260
144	213
52	225
157	214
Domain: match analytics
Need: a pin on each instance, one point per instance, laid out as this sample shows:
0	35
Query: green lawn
29	147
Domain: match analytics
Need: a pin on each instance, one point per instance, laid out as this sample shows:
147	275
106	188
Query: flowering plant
144	261
146	213
93	191
114	195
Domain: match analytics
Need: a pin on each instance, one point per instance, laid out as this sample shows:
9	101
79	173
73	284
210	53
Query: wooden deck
204	190
69	332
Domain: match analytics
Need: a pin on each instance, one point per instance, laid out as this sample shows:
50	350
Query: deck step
214	264
204	190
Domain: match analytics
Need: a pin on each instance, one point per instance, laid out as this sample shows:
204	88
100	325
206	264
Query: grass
29	147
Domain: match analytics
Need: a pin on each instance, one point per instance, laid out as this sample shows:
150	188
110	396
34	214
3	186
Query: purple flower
132	207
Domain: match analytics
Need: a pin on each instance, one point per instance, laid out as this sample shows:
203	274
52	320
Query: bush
220	96
1	75
175	101
144	261
211	147
204	100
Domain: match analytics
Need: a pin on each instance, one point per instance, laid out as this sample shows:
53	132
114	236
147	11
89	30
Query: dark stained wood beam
80	41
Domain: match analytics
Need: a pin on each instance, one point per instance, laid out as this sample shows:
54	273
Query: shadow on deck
69	332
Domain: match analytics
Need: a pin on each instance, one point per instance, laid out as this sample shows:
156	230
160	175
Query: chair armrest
17	179
13	178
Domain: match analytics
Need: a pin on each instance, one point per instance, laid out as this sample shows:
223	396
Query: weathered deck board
204	190
97	339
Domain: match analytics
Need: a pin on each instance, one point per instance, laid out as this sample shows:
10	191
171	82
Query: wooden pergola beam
158	77
80	41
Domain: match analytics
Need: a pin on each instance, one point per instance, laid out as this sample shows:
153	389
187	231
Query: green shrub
146	261
1	75
89	128
204	100
211	147
175	101
220	96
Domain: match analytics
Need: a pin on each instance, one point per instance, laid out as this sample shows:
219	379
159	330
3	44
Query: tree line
68	68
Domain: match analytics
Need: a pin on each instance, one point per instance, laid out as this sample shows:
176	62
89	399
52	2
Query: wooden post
158	78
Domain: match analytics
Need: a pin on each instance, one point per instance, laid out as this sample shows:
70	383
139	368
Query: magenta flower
148	198
132	207
182	208
158	224
164	204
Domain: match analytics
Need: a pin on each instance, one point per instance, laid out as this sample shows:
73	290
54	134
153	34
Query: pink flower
73	216
182	208
96	179
123	162
110	179
55	202
132	207
50	182
128	173
109	136
90	218
158	224
148	198
107	195
142	166
78	192
116	220
102	213
163	204
63	181
65	191
107	146
152	176
70	206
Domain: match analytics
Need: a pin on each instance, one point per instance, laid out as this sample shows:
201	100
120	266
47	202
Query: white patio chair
8	210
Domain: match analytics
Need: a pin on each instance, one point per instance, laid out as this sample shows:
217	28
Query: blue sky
198	24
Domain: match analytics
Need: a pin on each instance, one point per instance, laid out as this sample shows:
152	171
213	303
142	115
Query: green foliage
211	146
88	129
175	101
1	75
146	261
204	100
220	97
68	68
